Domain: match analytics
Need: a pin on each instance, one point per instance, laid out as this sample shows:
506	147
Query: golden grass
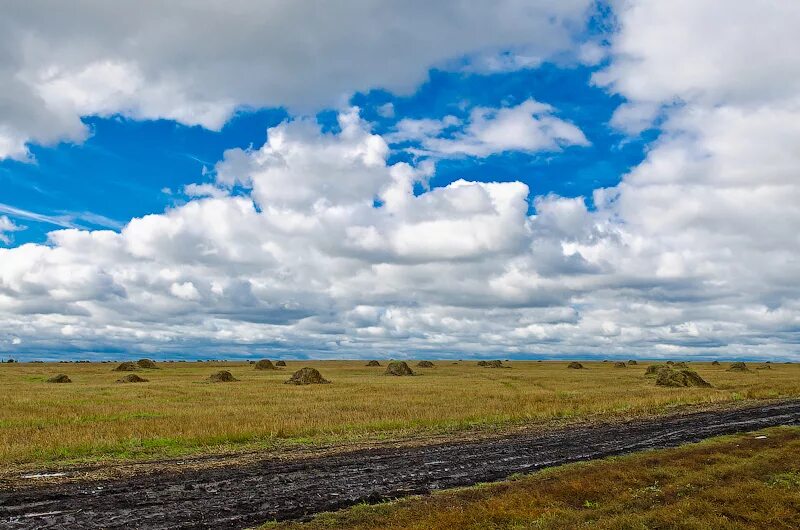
178	412
727	483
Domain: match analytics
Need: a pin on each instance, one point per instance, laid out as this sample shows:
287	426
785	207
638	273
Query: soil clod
307	376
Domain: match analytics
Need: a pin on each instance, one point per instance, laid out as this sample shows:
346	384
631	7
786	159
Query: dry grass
178	412
734	482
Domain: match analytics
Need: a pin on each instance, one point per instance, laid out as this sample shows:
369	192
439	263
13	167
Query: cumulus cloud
196	62
530	126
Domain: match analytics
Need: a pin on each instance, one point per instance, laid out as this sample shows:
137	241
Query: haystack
575	365
307	376
265	364
280	363
373	363
132	378
715	363
147	364
620	364
738	367
60	378
425	364
126	367
222	376
398	368
653	369
632	363
680	378
491	364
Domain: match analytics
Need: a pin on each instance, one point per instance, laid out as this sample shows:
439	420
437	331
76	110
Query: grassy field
734	482
179	412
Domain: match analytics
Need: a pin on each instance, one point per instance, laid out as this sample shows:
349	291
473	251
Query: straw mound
307	376
280	363
223	376
373	363
425	364
575	366
60	378
738	367
126	367
132	378
398	368
680	378
146	364
265	364
620	364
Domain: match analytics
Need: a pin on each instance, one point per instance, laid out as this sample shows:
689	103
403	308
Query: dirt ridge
245	496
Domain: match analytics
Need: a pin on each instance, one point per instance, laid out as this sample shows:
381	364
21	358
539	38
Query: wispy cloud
63	219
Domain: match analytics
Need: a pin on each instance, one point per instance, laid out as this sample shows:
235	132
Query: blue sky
536	179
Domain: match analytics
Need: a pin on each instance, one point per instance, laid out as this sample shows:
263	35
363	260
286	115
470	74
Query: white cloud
7	226
195	62
530	126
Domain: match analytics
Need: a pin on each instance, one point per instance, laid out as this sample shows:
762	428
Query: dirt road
244	496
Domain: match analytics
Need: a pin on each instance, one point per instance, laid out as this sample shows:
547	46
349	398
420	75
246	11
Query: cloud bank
317	244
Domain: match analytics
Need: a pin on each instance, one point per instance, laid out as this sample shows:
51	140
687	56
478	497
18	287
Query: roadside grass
732	482
179	413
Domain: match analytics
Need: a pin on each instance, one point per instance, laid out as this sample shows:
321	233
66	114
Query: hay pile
398	368
126	367
632	363
680	378
280	363
307	376
373	363
738	367
491	364
147	364
620	364
60	378
670	363
715	363
575	365
265	364
425	364
222	376
764	367
653	369
132	378
682	365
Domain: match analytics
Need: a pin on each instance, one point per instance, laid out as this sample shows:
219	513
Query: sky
512	179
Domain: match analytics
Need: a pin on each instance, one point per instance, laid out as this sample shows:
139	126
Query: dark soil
126	367
132	378
373	363
146	364
222	376
307	376
247	495
575	366
265	364
60	378
398	368
425	364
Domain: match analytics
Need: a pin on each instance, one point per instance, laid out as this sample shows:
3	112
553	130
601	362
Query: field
733	482
178	412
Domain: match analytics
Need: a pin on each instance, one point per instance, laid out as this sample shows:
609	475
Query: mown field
743	482
178	412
